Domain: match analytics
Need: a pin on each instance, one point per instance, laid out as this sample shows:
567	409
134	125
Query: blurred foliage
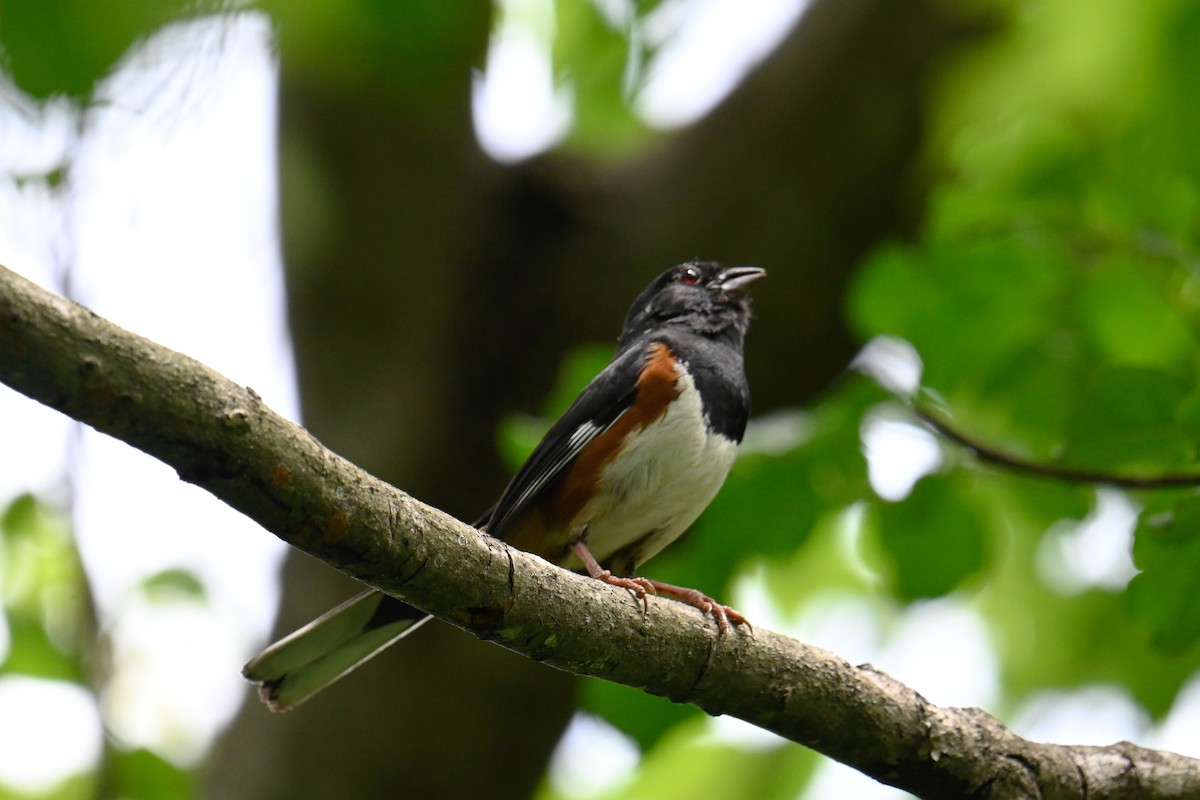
690	763
405	48
1164	597
603	58
53	635
75	787
1051	295
43	600
53	47
142	774
173	584
43	590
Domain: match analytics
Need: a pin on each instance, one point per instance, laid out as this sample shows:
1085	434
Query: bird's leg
697	599
639	586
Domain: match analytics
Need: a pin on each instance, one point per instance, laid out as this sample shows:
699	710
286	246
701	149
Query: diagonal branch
221	437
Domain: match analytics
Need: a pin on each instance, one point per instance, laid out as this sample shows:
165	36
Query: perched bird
625	470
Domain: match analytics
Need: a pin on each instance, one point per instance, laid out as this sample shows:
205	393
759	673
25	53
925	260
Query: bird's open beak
737	277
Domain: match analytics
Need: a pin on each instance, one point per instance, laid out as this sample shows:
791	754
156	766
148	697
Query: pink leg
639	586
697	599
643	586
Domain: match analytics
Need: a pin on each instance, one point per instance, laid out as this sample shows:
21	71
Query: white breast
667	474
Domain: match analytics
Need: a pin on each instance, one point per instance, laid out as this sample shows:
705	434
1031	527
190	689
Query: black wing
599	405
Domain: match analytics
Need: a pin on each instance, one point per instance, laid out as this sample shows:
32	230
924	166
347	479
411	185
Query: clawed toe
639	586
724	615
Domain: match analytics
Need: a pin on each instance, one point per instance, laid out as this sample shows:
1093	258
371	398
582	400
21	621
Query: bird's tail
305	662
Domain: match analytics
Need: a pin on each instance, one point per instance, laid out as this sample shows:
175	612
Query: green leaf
1187	416
141	775
172	584
72	787
690	762
1019	406
413	52
1131	319
65	46
32	652
43	590
1164	597
600	63
964	305
644	717
1125	419
933	540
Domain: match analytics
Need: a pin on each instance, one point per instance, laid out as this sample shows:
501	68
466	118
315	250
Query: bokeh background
415	226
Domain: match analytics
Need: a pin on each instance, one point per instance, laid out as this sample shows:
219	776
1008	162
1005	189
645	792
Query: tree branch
999	458
221	437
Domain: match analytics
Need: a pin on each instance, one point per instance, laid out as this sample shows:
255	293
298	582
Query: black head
698	296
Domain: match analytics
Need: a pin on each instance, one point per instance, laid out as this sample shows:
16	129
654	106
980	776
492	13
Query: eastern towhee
625	470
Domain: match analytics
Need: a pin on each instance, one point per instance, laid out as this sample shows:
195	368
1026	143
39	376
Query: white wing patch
574	445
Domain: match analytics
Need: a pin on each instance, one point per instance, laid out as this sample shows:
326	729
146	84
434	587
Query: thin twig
1008	461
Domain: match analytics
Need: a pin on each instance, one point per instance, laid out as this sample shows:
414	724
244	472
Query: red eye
689	275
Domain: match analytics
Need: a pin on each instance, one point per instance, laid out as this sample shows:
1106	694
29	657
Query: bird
625	470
